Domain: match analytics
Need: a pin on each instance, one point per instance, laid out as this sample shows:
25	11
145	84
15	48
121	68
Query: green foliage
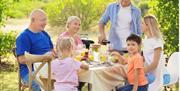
22	8
168	15
89	11
4	8
143	5
7	42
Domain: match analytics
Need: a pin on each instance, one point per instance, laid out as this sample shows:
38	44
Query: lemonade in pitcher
103	58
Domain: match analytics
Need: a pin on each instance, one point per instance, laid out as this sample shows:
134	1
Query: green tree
167	13
143	5
89	11
4	8
22	8
7	40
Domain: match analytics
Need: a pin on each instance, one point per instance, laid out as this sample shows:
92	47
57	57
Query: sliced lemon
91	57
103	58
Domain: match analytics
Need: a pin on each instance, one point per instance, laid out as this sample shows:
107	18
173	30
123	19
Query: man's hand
48	56
101	38
22	59
54	54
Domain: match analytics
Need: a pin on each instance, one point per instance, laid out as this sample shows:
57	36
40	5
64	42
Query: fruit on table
103	58
78	58
126	55
83	53
113	59
91	57
95	47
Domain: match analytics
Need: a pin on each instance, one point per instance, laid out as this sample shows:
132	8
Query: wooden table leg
89	87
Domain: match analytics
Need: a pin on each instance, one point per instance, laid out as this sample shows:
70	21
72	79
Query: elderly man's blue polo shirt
34	43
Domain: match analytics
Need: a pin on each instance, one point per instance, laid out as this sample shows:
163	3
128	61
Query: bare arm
22	59
102	33
135	85
154	64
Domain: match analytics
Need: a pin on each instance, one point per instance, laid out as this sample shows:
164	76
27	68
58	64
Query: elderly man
125	19
35	41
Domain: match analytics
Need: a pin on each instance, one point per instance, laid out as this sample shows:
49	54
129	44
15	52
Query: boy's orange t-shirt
136	62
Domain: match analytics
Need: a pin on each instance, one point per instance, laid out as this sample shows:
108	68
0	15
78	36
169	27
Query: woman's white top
149	45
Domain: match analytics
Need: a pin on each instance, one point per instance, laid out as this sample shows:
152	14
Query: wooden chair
32	76
21	86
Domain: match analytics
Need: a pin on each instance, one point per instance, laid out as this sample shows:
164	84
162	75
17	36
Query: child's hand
84	65
134	90
114	53
119	57
116	56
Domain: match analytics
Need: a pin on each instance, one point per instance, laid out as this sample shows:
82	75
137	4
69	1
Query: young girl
64	68
152	51
135	72
73	25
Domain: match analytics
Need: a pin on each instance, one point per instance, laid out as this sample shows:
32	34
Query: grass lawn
9	81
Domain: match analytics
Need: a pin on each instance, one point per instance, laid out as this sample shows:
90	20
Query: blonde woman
153	52
72	27
64	68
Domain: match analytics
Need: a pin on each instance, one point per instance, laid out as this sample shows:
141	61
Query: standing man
35	41
125	19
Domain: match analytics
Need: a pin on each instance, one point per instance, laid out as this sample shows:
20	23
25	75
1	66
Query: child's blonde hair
70	19
64	44
153	25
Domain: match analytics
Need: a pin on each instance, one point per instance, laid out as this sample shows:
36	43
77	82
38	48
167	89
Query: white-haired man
35	41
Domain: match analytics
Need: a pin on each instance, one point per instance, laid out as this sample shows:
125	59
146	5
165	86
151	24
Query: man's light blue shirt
111	13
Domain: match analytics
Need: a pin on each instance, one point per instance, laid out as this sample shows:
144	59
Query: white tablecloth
103	78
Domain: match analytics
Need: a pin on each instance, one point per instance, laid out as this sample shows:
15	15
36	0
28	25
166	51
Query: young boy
135	73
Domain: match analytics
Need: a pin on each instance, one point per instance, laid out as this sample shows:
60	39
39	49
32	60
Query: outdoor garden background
14	19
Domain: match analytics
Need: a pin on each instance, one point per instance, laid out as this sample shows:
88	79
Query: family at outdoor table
144	67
